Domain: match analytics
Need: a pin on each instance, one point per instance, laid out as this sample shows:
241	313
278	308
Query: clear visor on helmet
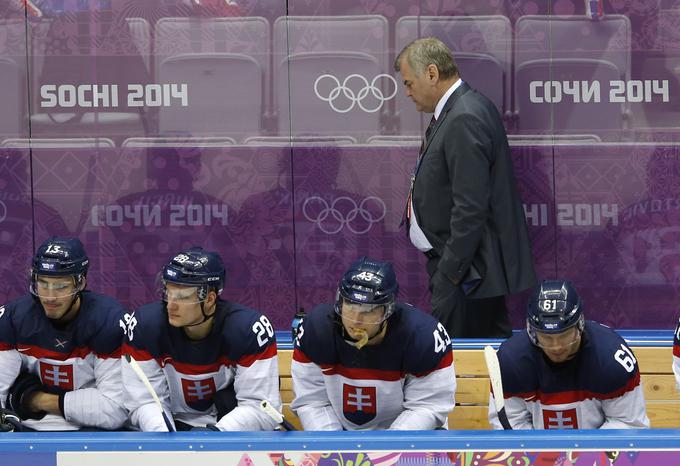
366	314
46	287
558	341
180	294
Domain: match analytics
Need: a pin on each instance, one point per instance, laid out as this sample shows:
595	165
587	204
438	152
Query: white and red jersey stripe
676	354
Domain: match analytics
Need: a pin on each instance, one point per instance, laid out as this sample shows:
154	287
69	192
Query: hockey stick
494	369
275	415
142	376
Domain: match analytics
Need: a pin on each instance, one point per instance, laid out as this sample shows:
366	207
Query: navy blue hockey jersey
598	388
81	359
405	382
186	374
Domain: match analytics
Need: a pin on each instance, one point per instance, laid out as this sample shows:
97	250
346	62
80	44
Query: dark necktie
406	216
428	131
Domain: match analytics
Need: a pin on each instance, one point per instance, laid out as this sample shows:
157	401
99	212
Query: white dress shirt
415	233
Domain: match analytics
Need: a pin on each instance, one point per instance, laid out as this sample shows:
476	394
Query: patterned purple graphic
619	214
188	197
13	74
289	224
289	219
348	203
17	214
396	458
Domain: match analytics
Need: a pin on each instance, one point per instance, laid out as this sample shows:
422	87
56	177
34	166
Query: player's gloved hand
9	422
20	393
225	400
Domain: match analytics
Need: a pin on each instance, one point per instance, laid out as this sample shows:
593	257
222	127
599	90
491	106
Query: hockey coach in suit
463	209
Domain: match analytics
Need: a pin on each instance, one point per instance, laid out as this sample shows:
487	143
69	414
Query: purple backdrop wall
276	133
289	221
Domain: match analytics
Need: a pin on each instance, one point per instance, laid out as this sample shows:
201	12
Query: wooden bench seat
472	395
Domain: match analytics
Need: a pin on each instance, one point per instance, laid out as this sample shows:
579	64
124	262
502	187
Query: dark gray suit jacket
466	200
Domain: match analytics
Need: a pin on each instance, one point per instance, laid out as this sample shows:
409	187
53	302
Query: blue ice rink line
405	441
633	337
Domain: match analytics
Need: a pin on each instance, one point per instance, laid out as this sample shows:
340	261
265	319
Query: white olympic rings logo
343	212
356	98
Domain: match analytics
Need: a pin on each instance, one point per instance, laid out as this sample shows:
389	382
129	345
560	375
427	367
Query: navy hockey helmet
196	267
60	257
554	307
370	282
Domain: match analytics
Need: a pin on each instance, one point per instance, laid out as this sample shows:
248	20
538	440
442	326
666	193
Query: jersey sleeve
626	412
429	390
10	359
102	405
516	408
256	378
311	403
144	412
625	407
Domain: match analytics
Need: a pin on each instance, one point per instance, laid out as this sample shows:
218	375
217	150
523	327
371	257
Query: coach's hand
20	393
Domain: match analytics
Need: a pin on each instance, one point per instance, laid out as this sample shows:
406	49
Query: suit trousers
464	317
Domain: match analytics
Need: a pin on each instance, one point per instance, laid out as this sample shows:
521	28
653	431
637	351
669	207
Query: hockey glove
225	400
9	422
21	392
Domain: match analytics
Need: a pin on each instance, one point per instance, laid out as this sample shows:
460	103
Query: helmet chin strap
66	317
206	317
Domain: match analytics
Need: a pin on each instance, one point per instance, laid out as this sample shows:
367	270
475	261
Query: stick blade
494	368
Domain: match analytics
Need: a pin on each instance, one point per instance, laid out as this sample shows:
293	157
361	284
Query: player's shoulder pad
101	316
144	324
608	355
11	316
17	308
519	359
318	331
244	331
421	339
101	308
18	315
